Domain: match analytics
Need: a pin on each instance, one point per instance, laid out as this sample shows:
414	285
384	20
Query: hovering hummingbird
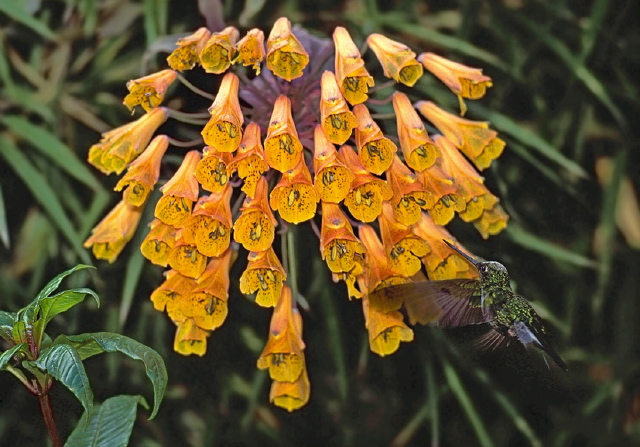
489	299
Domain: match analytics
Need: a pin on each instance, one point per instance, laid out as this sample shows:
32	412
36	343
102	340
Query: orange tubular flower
109	237
444	201
255	228
469	183
473	138
148	92
143	172
207	302
158	243
352	77
171	291
364	201
217	52
212	223
337	120
492	222
250	161
264	274
404	249
409	195
466	82
332	178
441	262
374	150
338	245
294	196
250	50
282	354
286	57
282	147
384	323
213	170
398	61
224	129
185	57
190	339
179	193
186	259
120	146
418	149
291	395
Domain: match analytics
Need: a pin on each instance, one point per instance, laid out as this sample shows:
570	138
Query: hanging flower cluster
298	141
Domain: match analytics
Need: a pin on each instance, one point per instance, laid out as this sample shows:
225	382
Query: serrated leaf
63	362
109	426
7	355
97	342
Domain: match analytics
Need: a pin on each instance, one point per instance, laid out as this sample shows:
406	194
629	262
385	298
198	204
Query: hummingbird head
491	272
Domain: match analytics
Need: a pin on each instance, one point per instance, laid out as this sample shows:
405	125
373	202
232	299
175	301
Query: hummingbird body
489	299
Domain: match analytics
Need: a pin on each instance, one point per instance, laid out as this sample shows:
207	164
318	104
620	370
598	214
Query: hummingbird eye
484	269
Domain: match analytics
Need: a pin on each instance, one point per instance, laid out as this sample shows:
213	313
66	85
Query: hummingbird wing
491	340
535	335
450	302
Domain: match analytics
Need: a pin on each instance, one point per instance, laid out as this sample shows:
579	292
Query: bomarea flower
286	57
464	81
294	197
223	132
332	178
250	161
474	138
264	276
383	321
179	193
148	91
374	149
118	147
143	173
185	57
272	135
353	78
255	227
109	237
364	201
217	52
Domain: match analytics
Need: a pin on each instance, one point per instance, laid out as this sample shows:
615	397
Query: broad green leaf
7	355
109	426
50	145
90	344
55	282
51	306
63	362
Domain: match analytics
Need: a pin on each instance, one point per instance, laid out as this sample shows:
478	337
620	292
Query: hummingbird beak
464	255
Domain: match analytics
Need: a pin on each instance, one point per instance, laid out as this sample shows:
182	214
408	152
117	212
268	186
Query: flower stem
49	420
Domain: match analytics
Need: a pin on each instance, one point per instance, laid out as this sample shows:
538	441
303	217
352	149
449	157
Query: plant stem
49	420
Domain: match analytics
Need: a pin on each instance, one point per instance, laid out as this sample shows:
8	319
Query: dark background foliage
565	98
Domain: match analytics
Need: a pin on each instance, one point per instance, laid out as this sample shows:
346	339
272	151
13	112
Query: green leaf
63	362
51	306
7	355
87	345
55	282
15	10
109	426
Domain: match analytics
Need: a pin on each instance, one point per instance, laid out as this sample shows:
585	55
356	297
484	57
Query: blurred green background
565	99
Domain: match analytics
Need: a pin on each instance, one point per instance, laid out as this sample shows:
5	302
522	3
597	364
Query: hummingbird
489	299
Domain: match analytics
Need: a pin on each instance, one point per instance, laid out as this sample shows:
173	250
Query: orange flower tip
190	339
223	132
464	81
250	50
185	56
218	51
337	121
286	57
398	61
148	92
110	236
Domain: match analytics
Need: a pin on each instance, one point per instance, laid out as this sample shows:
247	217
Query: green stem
49	420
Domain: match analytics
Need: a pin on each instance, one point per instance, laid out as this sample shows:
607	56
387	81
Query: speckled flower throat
299	132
